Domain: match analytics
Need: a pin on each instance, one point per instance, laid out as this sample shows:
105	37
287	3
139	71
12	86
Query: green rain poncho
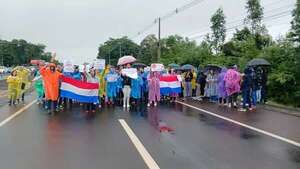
38	84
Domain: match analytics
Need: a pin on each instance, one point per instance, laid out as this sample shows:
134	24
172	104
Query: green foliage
148	50
284	78
295	33
112	49
255	16
19	52
218	28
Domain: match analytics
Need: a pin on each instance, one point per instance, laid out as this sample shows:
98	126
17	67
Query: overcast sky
75	28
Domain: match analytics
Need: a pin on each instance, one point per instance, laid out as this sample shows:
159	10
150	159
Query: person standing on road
173	95
23	74
91	78
246	86
211	82
111	85
221	87
201	80
51	81
39	87
194	86
188	76
13	82
126	89
232	85
136	85
154	89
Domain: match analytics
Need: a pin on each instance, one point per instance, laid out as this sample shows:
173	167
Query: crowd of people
222	86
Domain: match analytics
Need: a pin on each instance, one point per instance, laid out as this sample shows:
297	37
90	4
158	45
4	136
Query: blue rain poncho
136	87
111	84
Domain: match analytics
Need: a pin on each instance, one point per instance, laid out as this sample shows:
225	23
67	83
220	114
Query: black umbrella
213	67
137	65
258	62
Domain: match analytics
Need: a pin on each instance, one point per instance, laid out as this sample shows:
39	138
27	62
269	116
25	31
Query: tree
19	52
218	28
255	16
148	50
113	48
295	30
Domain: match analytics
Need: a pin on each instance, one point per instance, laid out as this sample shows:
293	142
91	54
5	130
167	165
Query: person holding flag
51	79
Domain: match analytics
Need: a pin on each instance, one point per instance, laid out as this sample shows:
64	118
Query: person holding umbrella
126	88
188	76
201	81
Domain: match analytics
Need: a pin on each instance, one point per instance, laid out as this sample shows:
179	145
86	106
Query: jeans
258	95
254	97
188	87
246	98
126	93
51	105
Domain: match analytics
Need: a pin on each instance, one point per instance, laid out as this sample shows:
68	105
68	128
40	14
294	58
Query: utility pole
158	45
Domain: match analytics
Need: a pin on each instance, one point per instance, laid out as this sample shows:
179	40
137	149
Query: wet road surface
33	140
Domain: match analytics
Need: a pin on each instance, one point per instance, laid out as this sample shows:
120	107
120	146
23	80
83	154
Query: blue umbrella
187	67
174	65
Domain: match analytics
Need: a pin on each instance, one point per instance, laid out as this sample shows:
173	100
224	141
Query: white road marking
8	119
139	146
245	125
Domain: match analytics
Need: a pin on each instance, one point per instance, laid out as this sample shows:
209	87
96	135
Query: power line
168	15
207	27
266	19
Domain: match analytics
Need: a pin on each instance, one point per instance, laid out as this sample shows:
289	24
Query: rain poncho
102	82
221	84
211	85
51	83
38	84
13	83
76	76
91	79
194	80
154	87
232	82
111	84
145	82
136	87
23	74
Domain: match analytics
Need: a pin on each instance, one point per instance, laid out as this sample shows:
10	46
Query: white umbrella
126	59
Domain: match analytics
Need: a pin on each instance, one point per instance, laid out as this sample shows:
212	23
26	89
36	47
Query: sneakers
155	104
242	110
148	104
124	105
128	105
234	105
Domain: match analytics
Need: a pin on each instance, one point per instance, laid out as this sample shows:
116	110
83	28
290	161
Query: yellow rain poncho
194	80
23	73
13	83
102	82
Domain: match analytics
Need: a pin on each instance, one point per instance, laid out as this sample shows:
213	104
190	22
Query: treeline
20	52
250	42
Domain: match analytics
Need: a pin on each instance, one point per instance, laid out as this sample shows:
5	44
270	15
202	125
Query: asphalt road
34	140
